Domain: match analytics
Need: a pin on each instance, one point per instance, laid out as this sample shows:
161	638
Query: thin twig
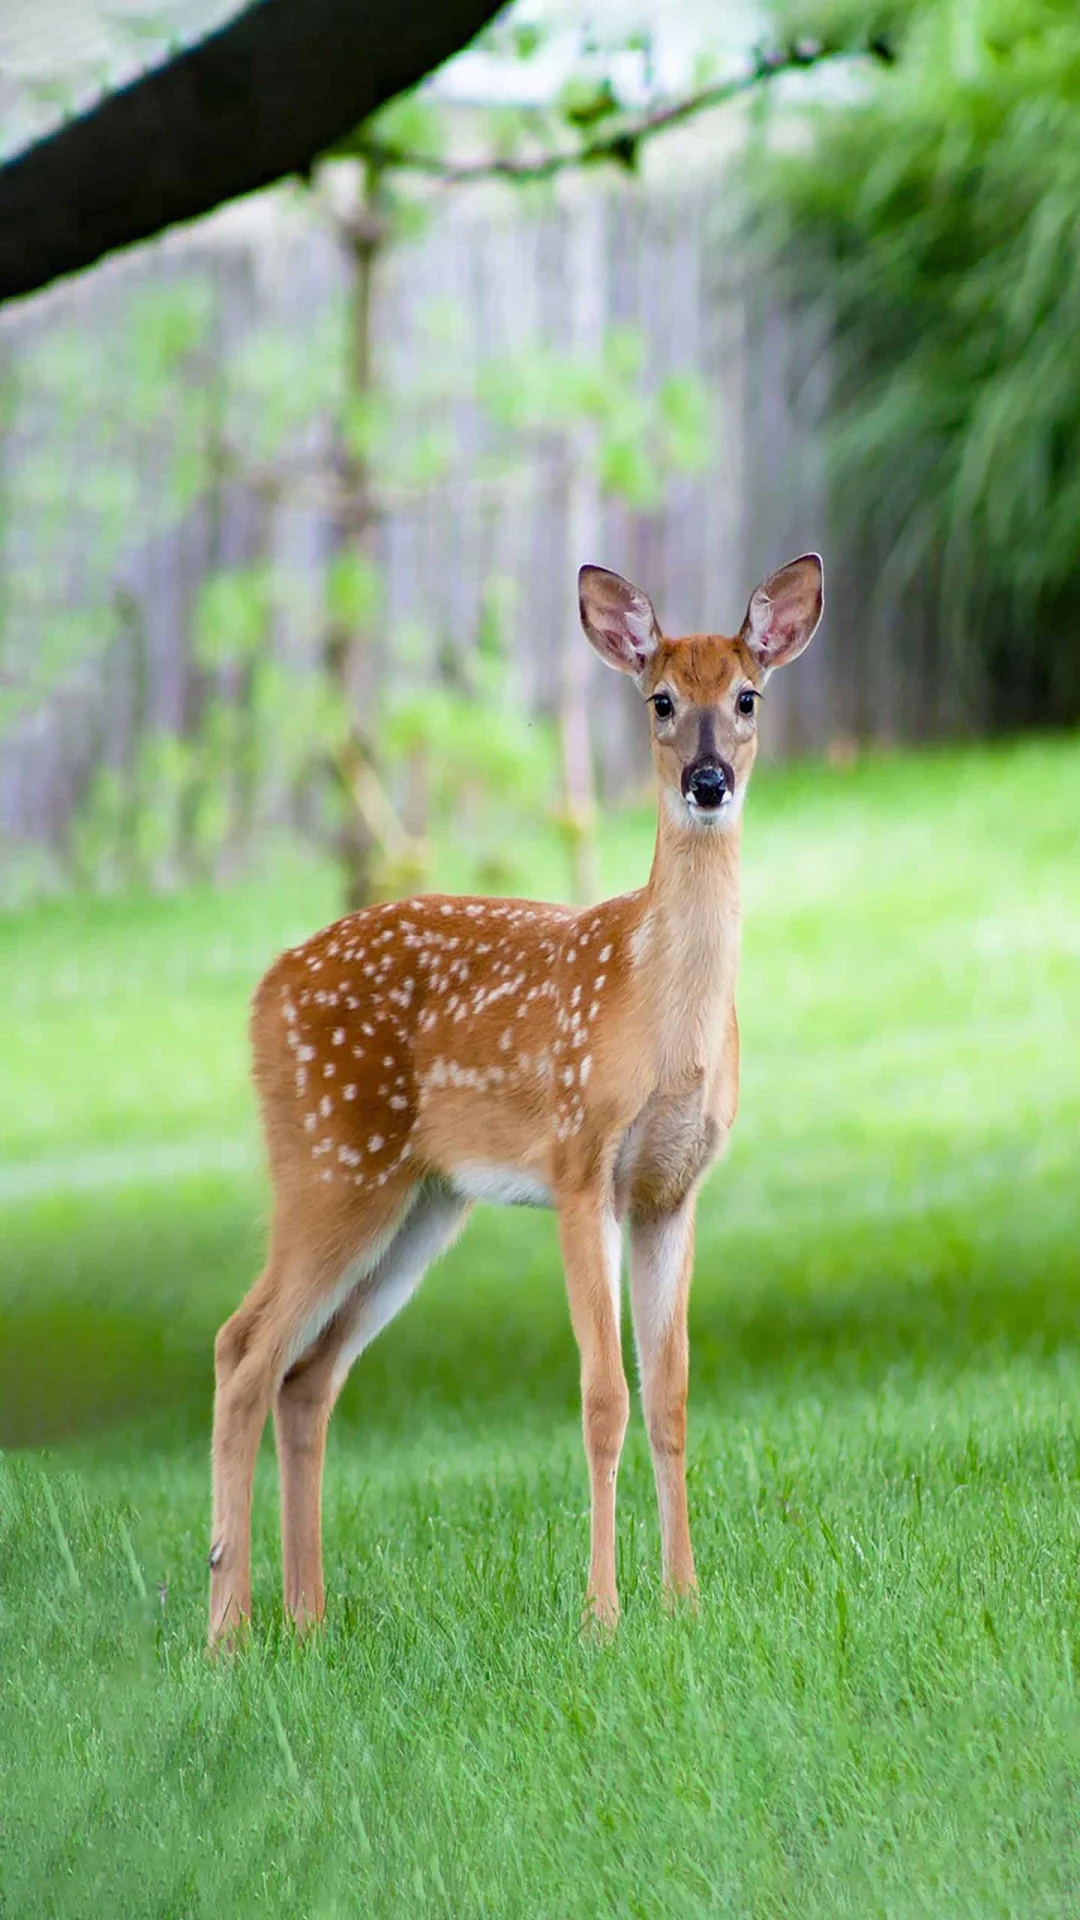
620	144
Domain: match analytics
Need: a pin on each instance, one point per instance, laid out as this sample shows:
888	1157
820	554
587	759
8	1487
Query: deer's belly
665	1151
503	1186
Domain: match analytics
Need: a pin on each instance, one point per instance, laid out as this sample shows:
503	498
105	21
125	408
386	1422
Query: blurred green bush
931	215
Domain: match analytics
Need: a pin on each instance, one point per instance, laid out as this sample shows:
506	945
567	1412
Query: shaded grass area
875	1711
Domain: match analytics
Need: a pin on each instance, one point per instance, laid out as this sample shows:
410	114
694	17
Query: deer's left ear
784	611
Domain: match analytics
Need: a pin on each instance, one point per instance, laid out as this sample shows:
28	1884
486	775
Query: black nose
707	785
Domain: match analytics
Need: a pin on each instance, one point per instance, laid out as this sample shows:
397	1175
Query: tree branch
621	142
259	99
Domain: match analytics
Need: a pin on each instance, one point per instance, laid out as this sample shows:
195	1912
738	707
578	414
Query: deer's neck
690	927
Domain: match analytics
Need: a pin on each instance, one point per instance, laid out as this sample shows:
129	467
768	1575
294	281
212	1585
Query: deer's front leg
591	1247
661	1259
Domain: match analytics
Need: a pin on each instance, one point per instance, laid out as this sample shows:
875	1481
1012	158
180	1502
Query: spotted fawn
423	1054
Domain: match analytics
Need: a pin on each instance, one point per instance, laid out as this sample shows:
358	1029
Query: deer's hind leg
246	1354
306	1395
293	1300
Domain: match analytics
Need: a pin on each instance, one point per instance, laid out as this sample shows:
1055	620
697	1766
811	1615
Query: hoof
601	1615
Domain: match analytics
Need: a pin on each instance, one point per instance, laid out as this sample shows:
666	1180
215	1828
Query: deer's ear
618	619
784	611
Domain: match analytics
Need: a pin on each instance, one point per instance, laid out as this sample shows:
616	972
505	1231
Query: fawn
423	1054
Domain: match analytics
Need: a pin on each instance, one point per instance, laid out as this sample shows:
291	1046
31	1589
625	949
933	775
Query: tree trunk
248	706
195	860
131	615
346	657
585	291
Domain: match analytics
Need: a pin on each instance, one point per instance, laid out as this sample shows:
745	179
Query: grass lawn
875	1712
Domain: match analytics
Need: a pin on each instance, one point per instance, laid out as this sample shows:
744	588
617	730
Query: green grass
875	1712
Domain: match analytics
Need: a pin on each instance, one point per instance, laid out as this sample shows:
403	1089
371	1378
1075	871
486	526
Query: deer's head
703	690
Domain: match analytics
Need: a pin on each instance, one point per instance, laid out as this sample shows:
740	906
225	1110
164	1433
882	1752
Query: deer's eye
745	702
663	706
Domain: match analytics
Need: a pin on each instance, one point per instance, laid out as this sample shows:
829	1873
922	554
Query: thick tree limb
252	103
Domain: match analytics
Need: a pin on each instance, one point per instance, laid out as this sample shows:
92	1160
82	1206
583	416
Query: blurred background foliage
933	216
290	510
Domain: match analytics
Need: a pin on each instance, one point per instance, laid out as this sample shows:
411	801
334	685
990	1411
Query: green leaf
683	402
411	124
627	472
585	103
231	615
353	590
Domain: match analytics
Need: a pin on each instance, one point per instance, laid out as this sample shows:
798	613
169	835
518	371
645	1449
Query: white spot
350	1093
639	940
326	1106
339	1035
604	955
375	1142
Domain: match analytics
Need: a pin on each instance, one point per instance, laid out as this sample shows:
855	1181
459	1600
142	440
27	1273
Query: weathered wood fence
497	275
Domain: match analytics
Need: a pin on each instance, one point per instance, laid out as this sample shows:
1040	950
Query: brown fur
410	1055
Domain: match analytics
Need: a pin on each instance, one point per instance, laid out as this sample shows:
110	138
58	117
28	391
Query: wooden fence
496	275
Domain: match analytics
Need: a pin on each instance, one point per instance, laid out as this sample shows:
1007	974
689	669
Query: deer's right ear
618	619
